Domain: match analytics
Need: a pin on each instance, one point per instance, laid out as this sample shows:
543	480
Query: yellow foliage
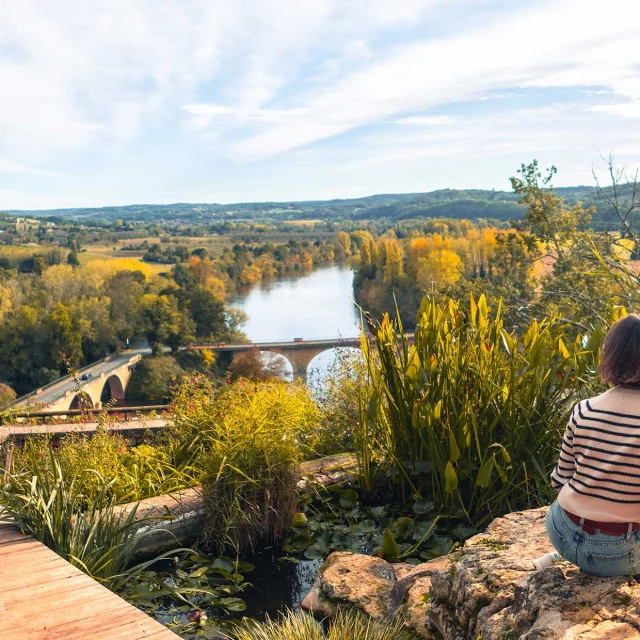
208	356
390	259
101	270
6	301
344	240
441	267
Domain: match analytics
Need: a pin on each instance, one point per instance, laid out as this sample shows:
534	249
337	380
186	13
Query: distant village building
27	224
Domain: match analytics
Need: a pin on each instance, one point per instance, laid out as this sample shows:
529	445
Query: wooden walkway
43	597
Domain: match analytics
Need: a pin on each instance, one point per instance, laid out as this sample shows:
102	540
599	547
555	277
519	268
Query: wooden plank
43	597
130	427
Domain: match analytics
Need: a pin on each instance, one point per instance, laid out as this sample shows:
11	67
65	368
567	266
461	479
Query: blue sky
159	101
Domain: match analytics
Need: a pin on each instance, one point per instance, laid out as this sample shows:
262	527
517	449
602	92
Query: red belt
608	528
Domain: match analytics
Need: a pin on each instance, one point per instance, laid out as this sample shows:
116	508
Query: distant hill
443	203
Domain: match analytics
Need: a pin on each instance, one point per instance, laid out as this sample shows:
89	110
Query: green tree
125	290
207	313
574	287
154	378
39	265
72	258
64	337
164	322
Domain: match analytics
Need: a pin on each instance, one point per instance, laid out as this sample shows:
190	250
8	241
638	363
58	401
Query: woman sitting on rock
595	522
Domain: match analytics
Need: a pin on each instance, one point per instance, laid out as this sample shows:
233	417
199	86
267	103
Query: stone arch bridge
108	379
98	383
299	353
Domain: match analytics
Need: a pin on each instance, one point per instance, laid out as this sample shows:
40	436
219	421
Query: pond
279	577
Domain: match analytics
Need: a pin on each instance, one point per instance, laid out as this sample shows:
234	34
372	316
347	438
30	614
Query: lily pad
348	499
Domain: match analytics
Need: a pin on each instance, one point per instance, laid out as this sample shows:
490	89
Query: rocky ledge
487	591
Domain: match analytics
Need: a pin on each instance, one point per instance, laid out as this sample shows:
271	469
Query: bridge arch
339	360
113	389
274	364
82	400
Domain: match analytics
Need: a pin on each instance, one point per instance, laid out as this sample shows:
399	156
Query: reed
246	438
468	414
302	626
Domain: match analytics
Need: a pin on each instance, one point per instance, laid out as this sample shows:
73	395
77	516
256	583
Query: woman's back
599	465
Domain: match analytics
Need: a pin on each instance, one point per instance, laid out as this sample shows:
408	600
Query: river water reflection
317	305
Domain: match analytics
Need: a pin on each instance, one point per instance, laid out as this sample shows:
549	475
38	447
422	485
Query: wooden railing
42	416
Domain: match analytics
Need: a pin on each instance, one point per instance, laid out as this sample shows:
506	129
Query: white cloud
6	166
624	110
429	121
571	43
99	84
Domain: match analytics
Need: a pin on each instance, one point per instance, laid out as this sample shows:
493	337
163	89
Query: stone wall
177	519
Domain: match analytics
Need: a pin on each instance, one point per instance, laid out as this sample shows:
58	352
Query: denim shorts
598	554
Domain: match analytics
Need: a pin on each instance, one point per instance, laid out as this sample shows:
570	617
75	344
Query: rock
376	587
365	582
492	591
315	603
416	588
489	590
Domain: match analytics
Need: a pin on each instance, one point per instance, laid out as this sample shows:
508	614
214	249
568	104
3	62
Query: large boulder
488	590
375	587
493	592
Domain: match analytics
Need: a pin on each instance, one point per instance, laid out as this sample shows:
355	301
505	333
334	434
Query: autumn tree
439	268
343	239
7	395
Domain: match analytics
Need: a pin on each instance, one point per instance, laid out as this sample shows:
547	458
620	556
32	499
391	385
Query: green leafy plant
468	414
337	520
190	591
89	534
133	473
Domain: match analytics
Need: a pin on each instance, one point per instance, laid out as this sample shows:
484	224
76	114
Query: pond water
313	306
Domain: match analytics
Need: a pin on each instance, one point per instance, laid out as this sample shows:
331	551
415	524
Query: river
315	305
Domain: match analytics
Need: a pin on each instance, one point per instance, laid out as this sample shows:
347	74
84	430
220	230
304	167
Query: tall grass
468	414
246	438
346	625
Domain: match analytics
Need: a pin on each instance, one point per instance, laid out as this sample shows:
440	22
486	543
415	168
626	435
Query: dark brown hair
620	360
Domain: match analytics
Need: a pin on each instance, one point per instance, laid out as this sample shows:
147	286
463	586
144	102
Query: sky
107	102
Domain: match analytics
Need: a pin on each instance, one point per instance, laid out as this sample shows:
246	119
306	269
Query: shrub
7	395
246	438
338	401
131	473
469	415
49	506
154	378
347	625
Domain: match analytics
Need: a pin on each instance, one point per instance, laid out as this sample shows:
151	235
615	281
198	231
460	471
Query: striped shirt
598	471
